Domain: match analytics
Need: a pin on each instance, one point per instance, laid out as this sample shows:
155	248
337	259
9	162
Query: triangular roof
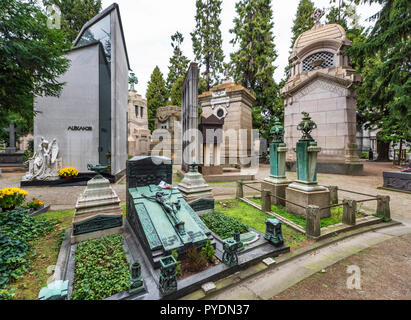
100	16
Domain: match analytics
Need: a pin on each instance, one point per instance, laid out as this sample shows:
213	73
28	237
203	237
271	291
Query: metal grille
328	57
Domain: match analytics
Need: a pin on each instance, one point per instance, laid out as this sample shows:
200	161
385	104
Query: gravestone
305	190
98	212
11	157
189	117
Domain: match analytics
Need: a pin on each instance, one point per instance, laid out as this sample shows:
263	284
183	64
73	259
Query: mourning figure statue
43	164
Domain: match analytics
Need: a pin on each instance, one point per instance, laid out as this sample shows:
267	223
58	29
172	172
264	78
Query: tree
156	95
178	66
175	95
252	64
207	41
75	13
31	58
303	20
384	60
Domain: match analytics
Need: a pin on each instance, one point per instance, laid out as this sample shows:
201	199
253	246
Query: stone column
313	226
333	194
306	191
349	212
383	207
239	193
265	201
277	181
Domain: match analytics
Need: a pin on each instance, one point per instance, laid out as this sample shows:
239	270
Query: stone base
210	170
304	198
95	234
351	169
397	180
11	158
276	189
193	187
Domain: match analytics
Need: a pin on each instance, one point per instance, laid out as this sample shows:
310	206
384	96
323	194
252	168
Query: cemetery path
383	258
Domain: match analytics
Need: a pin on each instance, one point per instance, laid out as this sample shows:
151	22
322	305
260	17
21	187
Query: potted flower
68	172
12	197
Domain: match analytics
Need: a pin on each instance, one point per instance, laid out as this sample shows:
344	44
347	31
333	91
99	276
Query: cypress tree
252	64
178	66
303	20
156	95
207	41
384	60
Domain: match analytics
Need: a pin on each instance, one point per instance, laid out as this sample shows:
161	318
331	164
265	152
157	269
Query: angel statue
43	164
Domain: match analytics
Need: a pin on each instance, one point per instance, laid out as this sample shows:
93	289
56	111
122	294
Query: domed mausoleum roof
320	33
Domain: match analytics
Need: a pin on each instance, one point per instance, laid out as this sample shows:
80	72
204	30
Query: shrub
222	225
12	197
209	251
101	268
364	155
68	172
17	229
196	260
174	253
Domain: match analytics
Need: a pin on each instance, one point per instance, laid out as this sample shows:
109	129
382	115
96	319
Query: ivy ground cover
251	217
101	268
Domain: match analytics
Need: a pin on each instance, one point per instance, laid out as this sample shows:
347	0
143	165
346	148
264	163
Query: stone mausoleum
232	103
166	136
89	119
321	83
139	136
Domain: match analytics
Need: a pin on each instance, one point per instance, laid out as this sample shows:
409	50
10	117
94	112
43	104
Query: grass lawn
255	219
46	252
334	218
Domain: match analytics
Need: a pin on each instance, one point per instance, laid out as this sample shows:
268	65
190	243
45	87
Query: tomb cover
164	221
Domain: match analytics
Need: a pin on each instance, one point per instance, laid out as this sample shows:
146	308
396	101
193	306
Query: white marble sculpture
44	163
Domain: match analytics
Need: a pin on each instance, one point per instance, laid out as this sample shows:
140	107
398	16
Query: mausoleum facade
321	83
139	135
89	119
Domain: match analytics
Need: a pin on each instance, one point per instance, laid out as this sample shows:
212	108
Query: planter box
41	210
397	180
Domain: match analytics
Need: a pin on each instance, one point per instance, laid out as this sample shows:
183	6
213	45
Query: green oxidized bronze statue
273	232
231	246
168	275
306	126
277	131
132	79
136	282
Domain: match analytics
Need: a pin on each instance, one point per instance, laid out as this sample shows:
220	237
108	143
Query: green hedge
101	268
222	225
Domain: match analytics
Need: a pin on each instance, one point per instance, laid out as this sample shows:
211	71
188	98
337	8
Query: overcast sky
149	24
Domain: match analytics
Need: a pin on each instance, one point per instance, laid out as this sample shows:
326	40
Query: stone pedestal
277	181
305	191
320	198
98	212
193	187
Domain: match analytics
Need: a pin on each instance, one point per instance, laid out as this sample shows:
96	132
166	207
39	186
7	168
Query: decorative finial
132	79
306	126
317	15
193	167
277	131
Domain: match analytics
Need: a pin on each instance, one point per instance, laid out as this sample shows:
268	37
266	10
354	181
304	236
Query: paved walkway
385	271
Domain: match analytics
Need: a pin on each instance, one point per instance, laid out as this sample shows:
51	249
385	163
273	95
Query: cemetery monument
305	190
89	119
277	181
11	157
321	83
139	136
